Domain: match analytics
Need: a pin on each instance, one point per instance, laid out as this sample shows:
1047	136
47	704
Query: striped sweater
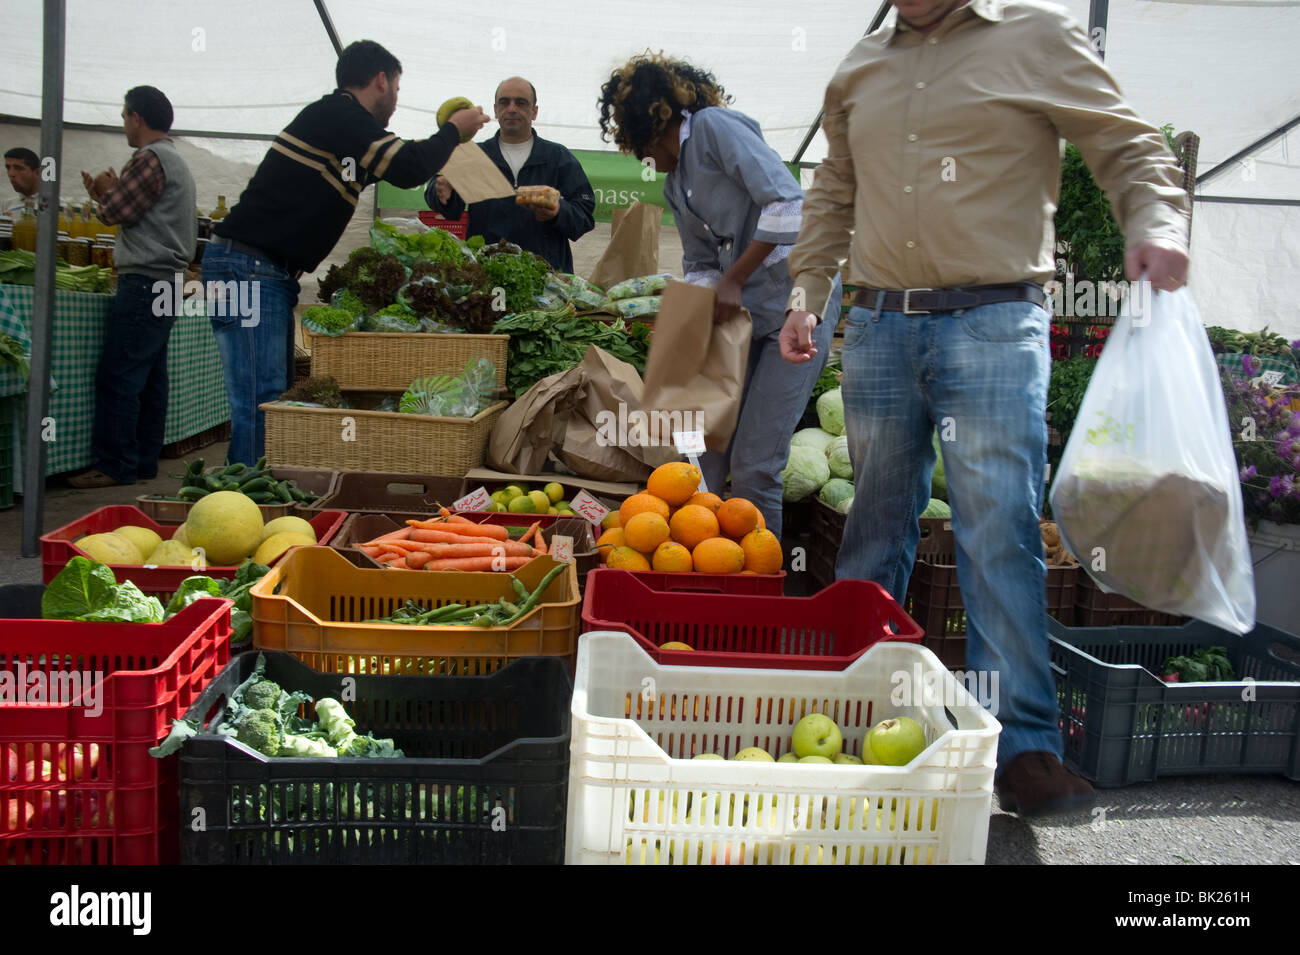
303	194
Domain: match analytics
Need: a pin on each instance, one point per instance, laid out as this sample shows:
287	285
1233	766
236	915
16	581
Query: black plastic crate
825	534
484	781
1122	724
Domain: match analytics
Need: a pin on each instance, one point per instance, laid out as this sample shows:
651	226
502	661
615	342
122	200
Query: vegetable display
322	391
18	267
431	245
521	274
237	588
544	343
12	351
1202	666
369	274
328	320
463	396
453	542
256	482
87	590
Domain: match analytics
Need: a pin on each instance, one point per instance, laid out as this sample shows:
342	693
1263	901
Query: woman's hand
796	338
730	299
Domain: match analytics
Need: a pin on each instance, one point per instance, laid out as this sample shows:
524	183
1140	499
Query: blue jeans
131	384
254	339
771	404
980	376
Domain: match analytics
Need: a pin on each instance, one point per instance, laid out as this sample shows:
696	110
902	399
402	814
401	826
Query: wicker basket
347	439
390	361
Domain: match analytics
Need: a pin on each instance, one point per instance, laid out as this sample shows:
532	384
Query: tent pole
38	382
878	19
329	27
1242	153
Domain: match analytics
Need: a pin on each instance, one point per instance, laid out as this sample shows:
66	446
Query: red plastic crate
826	631
457	227
116	804
57	547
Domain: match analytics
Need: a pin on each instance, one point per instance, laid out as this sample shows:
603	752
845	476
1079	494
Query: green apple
552	510
814	759
754	754
523	504
564	505
706	756
895	742
817	735
847	759
499	497
541	503
555	492
789	757
499	508
512	491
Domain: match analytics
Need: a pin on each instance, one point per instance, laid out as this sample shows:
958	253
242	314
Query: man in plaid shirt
152	202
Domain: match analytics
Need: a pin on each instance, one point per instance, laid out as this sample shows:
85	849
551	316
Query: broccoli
334	720
293	745
260	730
262	696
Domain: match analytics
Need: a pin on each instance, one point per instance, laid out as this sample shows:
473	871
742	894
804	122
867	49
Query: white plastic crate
637	796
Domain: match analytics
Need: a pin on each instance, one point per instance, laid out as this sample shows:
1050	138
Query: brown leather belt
916	301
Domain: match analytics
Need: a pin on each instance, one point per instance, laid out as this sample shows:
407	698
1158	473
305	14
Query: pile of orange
671	526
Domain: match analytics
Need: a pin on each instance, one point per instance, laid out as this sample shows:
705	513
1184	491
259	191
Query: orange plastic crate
313	604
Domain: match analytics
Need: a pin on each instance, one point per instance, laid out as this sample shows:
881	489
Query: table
196	403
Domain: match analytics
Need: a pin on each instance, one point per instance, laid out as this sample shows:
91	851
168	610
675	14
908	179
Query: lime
523	504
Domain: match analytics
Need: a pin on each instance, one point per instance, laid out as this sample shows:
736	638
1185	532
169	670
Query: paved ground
1201	820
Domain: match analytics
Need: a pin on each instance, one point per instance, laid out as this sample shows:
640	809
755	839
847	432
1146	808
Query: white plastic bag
1147	495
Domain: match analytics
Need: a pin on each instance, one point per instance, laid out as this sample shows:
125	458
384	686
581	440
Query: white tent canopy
1224	70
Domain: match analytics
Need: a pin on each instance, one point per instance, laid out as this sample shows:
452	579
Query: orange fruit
737	517
610	520
610	539
692	524
762	524
645	532
639	503
675	482
625	558
762	552
707	499
717	555
673	558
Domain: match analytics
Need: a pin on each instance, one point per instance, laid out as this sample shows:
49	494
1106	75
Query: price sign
479	500
691	444
590	508
562	548
1272	378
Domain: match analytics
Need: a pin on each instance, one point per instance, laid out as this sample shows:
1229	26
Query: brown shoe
92	479
1036	783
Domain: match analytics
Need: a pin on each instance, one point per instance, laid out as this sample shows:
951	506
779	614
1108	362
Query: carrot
371	551
446	536
477	563
469	547
541	546
523	539
417	559
468	528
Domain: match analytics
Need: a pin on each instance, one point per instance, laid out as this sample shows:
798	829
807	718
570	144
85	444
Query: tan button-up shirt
944	158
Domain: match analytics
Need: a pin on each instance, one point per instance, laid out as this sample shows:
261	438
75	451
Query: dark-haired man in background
23	168
525	159
293	212
152	203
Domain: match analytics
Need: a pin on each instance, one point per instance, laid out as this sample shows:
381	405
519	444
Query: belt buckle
907	309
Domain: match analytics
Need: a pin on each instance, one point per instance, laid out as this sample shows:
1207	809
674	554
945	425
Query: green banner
618	181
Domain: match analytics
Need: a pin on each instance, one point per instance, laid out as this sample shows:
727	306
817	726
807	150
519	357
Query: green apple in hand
817	735
895	742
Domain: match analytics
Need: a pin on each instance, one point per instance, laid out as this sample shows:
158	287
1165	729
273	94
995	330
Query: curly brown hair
642	97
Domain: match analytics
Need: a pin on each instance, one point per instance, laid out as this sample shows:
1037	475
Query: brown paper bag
474	176
596	439
523	436
633	245
695	373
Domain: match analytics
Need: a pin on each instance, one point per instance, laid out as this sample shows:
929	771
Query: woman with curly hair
738	211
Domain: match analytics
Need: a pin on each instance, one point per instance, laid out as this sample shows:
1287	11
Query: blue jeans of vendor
978	375
253	324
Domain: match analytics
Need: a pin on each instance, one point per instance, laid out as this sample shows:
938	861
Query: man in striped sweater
293	212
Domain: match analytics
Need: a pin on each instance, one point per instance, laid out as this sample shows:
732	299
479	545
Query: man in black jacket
293	212
526	160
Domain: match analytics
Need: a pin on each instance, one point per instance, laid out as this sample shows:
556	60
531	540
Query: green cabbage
837	456
805	473
844	505
835	491
811	438
936	508
830	411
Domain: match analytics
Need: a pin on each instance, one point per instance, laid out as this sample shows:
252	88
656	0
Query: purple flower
1284	447
1248	473
1295	345
1293	428
1280	487
1248	365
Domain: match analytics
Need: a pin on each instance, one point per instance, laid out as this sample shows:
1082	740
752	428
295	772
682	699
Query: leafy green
804	474
461	397
522	277
327	320
544	343
190	590
11	350
435	245
835	490
1202	666
87	590
371	275
830	411
1065	391
18	267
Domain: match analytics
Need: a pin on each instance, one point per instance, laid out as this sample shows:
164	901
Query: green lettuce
87	590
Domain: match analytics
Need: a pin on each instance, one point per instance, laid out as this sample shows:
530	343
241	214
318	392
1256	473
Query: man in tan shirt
939	186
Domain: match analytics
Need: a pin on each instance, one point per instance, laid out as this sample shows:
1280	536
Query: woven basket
390	361
376	440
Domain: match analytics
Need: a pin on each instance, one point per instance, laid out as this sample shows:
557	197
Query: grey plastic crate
1121	723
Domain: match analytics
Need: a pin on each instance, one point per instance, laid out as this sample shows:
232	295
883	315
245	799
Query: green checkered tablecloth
198	396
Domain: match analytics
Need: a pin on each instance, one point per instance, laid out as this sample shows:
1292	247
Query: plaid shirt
138	188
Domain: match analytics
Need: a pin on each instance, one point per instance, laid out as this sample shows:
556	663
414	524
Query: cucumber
212	483
260	484
299	495
191	493
284	492
262	497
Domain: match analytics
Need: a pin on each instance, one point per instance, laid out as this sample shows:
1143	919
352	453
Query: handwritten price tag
562	548
1272	378
479	500
689	442
590	508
